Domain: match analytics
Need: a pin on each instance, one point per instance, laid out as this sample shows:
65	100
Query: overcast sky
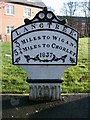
58	4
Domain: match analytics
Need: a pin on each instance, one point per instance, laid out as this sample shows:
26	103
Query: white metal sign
45	40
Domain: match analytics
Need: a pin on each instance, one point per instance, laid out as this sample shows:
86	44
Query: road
69	106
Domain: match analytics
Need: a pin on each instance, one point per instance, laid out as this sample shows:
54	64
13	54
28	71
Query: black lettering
51	54
48	37
31	47
23	41
67	51
44	45
66	42
54	37
72	44
18	33
34	38
44	37
62	40
47	45
26	40
57	26
74	54
24	49
27	48
15	52
39	46
33	26
71	52
17	44
35	46
39	37
60	47
25	29
49	24
57	46
71	32
59	39
53	45
30	39
64	29
47	54
42	54
64	49
41	25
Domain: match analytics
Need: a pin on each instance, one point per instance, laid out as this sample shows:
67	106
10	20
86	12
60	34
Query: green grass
81	70
14	78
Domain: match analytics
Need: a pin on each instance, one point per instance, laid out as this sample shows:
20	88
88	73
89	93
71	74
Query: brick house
13	13
81	24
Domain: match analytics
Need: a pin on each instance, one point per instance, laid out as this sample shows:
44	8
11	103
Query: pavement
69	106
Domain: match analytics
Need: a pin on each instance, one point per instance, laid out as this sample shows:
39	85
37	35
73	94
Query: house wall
81	24
13	20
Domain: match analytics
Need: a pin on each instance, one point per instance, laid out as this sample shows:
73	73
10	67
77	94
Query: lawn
76	78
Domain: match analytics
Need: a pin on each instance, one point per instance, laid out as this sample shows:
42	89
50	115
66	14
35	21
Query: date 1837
46	55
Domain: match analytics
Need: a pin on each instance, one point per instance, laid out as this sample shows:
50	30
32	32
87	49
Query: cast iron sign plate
44	40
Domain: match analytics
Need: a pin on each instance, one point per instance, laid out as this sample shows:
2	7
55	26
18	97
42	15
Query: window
27	12
9	29
10	9
83	26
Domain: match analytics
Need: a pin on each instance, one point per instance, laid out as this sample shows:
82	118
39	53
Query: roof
33	3
75	18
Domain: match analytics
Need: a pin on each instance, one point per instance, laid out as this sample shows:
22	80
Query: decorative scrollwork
37	58
45	15
72	60
17	60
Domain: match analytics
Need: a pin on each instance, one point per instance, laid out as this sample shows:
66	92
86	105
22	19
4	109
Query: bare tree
85	8
87	5
69	10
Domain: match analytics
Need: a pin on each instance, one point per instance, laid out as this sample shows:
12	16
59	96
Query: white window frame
83	25
27	11
9	29
9	9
